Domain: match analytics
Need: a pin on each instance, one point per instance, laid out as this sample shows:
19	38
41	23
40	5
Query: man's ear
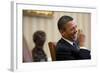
62	32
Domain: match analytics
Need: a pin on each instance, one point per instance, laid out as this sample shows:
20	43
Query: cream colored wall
49	25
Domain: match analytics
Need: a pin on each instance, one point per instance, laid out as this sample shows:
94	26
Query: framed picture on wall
44	35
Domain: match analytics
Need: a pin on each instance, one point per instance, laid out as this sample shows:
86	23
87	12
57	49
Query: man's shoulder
62	44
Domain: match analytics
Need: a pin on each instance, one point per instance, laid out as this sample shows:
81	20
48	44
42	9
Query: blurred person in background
38	54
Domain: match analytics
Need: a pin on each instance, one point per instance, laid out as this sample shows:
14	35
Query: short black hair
39	37
63	20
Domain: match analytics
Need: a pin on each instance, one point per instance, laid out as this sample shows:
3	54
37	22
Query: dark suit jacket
65	51
84	54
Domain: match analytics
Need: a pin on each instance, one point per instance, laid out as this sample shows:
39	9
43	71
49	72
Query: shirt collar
70	42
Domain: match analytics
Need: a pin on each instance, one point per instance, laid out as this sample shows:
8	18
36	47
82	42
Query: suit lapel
69	45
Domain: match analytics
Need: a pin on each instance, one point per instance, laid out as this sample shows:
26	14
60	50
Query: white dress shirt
70	42
82	47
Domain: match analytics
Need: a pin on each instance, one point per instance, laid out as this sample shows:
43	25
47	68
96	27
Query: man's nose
75	30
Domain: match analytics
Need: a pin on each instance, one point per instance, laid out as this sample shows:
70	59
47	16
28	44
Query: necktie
75	45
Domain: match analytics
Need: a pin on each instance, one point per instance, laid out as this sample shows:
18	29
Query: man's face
70	31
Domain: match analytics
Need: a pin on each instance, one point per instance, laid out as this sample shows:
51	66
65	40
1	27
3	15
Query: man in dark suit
67	47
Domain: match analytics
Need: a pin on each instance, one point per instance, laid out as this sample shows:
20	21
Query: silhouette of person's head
39	38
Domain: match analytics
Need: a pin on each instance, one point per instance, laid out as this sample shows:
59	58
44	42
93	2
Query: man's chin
74	39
